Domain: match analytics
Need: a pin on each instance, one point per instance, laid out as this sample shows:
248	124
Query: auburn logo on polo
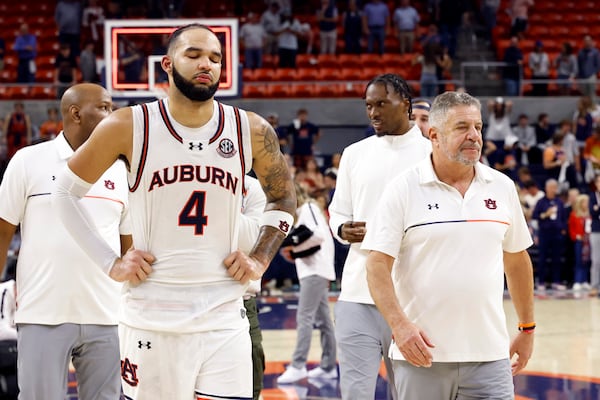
110	185
129	372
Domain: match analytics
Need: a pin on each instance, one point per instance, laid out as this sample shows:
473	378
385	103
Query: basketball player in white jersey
183	330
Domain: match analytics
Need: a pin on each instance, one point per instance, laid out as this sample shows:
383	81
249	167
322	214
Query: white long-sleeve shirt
366	167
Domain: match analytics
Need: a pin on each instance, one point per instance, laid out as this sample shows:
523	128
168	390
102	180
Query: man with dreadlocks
366	167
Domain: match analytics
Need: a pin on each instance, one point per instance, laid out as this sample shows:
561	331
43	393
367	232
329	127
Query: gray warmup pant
455	381
363	337
595	255
44	352
313	309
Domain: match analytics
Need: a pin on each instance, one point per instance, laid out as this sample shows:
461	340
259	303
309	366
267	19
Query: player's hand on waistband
134	266
243	268
353	231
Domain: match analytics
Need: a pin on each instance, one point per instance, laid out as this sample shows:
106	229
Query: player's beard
192	91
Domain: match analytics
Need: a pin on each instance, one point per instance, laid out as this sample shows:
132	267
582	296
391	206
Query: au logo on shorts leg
129	372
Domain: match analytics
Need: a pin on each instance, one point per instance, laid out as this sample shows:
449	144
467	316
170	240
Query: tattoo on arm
267	245
277	181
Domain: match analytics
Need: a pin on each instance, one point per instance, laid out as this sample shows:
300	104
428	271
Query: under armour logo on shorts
146	345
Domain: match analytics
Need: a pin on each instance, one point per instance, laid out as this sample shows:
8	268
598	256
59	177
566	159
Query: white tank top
185	198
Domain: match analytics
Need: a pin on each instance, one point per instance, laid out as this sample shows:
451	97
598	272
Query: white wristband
278	219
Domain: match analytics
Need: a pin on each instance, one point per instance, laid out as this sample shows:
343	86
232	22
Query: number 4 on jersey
192	213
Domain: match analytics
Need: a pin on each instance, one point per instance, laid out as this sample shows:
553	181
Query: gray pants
455	381
595	255
363	339
44	352
313	310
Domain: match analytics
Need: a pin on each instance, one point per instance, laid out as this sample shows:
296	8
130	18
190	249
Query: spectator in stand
311	178
310	245
489	12
26	47
406	21
591	155
65	69
431	36
543	130
527	151
376	23
68	17
287	40
92	22
583	119
304	136
443	67
579	232
513	56
327	17
253	36
566	68
531	196
595	236
17	128
554	159
131	61
539	62
87	63
588	62
572	173
353	28
429	62
498	128
51	127
282	133
451	13
270	20
550	214
519	10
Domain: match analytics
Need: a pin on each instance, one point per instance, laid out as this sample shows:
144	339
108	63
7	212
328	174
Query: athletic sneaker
320	373
577	287
292	374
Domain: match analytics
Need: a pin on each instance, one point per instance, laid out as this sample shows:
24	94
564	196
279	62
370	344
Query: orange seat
278	90
8	75
248	75
328	60
308	74
43	92
284	74
45	75
329	90
264	74
254	91
18	92
351	74
330	74
303	90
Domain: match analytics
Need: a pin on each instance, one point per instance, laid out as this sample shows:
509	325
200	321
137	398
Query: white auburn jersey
185	198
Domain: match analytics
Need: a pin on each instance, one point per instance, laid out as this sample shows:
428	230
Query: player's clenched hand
413	344
134	266
243	268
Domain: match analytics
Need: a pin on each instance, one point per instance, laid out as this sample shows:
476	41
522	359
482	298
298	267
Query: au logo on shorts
243	312
129	372
226	148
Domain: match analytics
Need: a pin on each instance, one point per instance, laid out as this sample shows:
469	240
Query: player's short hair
396	82
446	101
177	32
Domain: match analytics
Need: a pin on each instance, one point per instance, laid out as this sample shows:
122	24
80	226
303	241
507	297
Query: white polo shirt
366	168
449	271
56	281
